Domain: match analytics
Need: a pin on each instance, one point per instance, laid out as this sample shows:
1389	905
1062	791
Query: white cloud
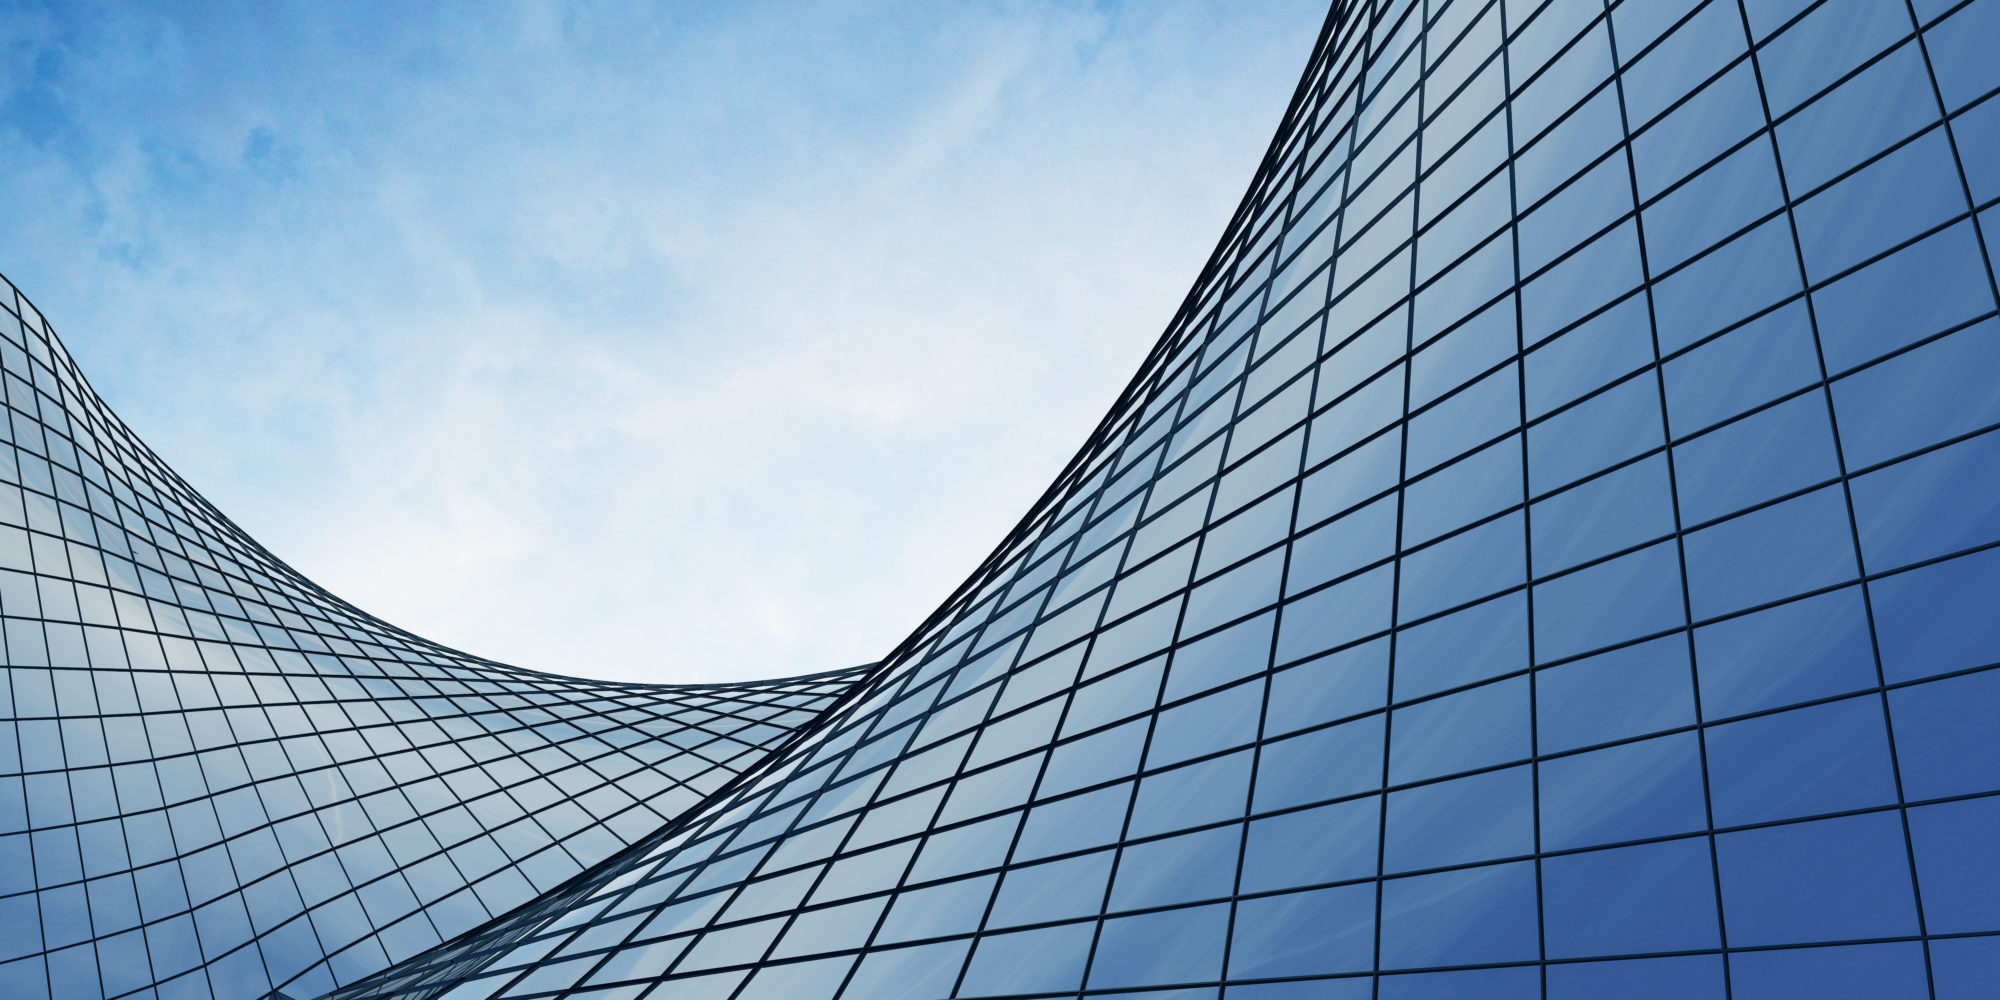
710	345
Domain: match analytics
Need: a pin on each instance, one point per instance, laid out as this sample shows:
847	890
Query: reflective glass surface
217	779
1553	552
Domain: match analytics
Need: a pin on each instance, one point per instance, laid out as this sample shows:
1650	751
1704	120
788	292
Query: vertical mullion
1673	487
1527	529
1395	584
1825	388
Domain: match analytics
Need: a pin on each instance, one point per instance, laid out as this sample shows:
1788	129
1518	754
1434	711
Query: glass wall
216	778
1551	555
1554	552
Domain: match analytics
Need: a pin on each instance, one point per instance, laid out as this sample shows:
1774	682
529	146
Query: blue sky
663	342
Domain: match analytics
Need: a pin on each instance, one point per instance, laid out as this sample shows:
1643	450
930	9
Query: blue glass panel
1615	511
1964	968
21	922
1684	57
1247	531
1468	645
1317	932
1058	890
1930	505
1827	880
1595	275
1752	364
1946	743
1216	721
1047	959
1464	984
1647	789
1929	286
1939	617
1761	457
1858	972
1549	27
1466	917
1457	231
803	981
968	848
1213	660
1350	479
1640	27
1770	554
1480	817
1767	16
1820	759
1095	759
1328	688
1595	434
1183	869
1586	900
1693	977
1861	117
1357	417
1478	485
1605	805
1876	421
1464	567
1706	209
1323	764
1173	946
1082	821
1234	594
1978	133
1343	545
1109	698
1354	988
1715	118
1957	871
1340	614
1326	844
1572	72
1747	275
1597	351
1625	692
1826	43
1627	597
1474	414
1959	56
1888	201
1473	347
1586	204
1483	726
1191	797
1791	653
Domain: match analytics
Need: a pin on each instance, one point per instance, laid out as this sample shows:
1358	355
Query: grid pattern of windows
217	779
1554	552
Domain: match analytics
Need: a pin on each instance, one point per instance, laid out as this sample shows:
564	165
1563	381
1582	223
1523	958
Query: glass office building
1553	552
216	778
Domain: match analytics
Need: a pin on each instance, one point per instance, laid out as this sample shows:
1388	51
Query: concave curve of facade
1553	552
216	779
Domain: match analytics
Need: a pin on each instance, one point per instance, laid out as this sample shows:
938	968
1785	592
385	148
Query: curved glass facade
1553	552
216	778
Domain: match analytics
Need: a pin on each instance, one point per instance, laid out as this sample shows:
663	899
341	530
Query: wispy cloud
680	344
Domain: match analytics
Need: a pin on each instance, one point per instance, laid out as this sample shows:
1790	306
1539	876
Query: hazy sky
648	341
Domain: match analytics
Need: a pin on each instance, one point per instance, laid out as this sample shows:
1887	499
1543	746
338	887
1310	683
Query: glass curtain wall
1553	552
